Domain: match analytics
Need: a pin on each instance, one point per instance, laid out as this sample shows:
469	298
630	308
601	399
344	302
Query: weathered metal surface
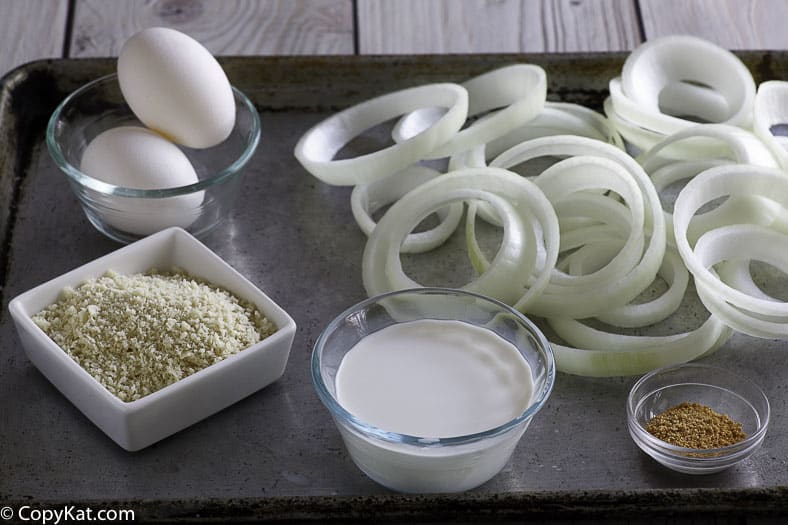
276	454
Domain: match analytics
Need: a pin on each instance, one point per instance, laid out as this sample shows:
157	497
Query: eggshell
175	86
136	157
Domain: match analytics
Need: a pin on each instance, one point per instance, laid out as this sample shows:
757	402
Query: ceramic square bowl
137	424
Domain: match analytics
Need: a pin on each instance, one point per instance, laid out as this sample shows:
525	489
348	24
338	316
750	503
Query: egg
136	157
175	86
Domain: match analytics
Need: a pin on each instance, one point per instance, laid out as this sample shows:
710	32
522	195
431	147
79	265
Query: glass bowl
420	464
719	389
127	214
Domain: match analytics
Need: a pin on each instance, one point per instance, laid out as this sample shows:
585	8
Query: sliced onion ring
520	89
556	118
601	354
318	146
771	108
506	278
559	299
736	144
759	243
734	180
656	64
366	199
633	315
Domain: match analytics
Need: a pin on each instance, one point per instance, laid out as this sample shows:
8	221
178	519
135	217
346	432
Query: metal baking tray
277	455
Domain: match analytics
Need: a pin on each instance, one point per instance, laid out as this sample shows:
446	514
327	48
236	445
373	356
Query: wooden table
34	29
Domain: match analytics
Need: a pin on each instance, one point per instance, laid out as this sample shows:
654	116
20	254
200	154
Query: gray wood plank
483	26
579	25
733	24
31	29
225	27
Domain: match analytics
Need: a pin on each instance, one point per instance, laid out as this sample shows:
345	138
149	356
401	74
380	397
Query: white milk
433	379
437	379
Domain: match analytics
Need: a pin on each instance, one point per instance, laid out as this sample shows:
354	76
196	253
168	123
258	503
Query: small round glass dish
127	214
427	464
717	388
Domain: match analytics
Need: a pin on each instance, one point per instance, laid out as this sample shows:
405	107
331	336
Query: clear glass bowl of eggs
150	148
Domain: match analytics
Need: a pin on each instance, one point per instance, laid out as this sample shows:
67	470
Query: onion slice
735	307
563	297
556	118
633	315
661	62
601	354
368	198
759	243
519	89
317	147
771	108
510	276
735	145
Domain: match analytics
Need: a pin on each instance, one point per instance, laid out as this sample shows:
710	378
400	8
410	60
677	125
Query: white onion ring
600	354
318	146
633	315
655	64
759	243
556	118
520	89
583	173
733	180
556	299
507	278
735	272
771	108
681	98
682	170
366	199
736	144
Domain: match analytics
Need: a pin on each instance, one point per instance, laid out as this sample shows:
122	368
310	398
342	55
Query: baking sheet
277	453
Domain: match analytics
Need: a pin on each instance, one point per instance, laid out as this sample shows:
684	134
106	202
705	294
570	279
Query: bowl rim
106	188
642	437
338	411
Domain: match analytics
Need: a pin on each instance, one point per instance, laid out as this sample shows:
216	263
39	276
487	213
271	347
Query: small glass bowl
124	214
427	464
719	389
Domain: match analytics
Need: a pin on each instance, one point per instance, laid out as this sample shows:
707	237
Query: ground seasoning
139	333
692	425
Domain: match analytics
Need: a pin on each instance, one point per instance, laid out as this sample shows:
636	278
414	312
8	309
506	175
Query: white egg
136	157
175	86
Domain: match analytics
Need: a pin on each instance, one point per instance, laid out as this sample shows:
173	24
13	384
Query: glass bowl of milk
432	388
139	181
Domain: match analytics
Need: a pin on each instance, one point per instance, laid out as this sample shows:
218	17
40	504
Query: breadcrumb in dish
138	333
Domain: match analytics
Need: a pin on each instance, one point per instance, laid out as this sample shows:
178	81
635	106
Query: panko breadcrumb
138	333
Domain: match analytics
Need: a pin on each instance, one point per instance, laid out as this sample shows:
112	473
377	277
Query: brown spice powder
693	425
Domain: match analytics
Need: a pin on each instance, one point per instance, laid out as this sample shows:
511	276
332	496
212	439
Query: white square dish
138	424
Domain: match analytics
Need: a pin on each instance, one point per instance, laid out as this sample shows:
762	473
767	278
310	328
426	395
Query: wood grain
734	24
29	30
225	27
485	26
